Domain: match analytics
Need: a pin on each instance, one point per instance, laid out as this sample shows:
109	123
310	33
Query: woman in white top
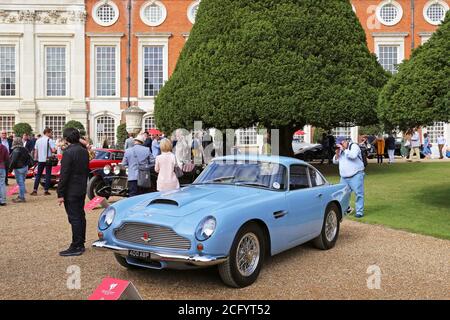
165	167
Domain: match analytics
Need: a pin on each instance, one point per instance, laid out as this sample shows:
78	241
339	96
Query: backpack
363	156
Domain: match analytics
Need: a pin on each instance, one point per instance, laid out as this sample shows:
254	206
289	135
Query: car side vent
163	201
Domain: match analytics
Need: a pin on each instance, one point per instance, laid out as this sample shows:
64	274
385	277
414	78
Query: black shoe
72	251
2	204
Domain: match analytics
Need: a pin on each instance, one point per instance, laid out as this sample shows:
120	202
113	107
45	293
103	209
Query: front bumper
195	260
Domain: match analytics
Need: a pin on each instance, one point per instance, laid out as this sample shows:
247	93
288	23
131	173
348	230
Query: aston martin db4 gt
238	212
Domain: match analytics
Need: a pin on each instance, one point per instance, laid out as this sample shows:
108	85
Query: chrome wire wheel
331	225
248	254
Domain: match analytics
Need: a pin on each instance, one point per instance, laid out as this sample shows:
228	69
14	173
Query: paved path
412	266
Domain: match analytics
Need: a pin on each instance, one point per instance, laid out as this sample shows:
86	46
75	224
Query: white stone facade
31	27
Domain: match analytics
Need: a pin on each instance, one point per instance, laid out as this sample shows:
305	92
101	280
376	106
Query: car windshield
102	155
247	173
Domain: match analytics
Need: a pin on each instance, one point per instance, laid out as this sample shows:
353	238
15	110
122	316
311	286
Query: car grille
119	184
158	236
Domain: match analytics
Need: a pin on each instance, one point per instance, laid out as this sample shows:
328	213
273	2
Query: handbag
178	171
52	160
144	177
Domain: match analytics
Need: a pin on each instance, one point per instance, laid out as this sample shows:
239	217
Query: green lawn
409	196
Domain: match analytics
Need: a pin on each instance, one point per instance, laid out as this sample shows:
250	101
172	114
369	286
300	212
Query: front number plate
139	254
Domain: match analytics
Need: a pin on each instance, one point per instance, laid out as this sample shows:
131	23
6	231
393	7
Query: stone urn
133	118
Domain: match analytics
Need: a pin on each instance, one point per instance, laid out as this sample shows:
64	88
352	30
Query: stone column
28	110
78	107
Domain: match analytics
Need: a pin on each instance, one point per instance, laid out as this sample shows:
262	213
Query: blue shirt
156	150
350	161
134	157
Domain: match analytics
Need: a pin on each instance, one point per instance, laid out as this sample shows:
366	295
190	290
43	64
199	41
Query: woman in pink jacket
165	167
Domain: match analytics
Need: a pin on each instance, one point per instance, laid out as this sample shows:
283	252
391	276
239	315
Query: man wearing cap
351	169
134	157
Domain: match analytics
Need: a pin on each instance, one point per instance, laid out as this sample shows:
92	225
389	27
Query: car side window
316	178
298	177
118	156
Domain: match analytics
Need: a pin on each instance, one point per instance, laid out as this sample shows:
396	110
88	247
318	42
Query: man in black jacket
72	189
28	143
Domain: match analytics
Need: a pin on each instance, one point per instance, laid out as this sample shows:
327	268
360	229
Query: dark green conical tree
280	64
419	94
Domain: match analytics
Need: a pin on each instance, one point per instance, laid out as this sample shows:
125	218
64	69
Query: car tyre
330	228
249	241
123	262
93	184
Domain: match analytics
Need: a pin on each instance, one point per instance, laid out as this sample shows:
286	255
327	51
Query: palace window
105	13
434	11
7	71
389	12
247	136
192	11
56	123
435	130
149	123
344	132
105	70
55	71
388	57
153	70
7	123
153	13
105	130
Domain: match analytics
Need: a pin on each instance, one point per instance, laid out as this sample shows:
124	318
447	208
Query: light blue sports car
239	211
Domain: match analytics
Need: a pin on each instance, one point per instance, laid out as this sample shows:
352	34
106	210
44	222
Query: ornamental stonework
42	17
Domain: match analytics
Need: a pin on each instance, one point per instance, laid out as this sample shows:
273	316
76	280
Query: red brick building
159	30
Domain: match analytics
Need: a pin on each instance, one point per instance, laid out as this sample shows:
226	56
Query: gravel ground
412	266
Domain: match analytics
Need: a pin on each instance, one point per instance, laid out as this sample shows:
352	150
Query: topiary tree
21	128
419	94
280	64
122	135
76	125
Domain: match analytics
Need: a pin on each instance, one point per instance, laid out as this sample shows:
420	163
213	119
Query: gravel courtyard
412	266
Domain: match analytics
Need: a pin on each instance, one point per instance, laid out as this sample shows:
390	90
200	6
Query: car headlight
106	218
116	170
206	228
126	171
107	169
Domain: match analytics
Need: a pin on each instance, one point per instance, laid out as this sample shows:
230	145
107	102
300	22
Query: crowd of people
411	147
170	157
16	155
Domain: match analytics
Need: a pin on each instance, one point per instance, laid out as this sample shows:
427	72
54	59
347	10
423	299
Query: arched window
105	131
149	123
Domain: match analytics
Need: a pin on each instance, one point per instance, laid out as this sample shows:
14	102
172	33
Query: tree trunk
285	143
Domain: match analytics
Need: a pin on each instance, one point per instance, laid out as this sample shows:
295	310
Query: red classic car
102	158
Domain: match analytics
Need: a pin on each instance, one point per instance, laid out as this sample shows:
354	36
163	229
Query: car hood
191	199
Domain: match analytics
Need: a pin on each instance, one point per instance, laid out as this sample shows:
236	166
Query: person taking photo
351	169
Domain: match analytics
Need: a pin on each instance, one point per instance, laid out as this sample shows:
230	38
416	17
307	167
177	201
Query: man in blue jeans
44	148
4	159
351	169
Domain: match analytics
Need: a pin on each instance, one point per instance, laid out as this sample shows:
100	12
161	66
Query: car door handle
280	214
